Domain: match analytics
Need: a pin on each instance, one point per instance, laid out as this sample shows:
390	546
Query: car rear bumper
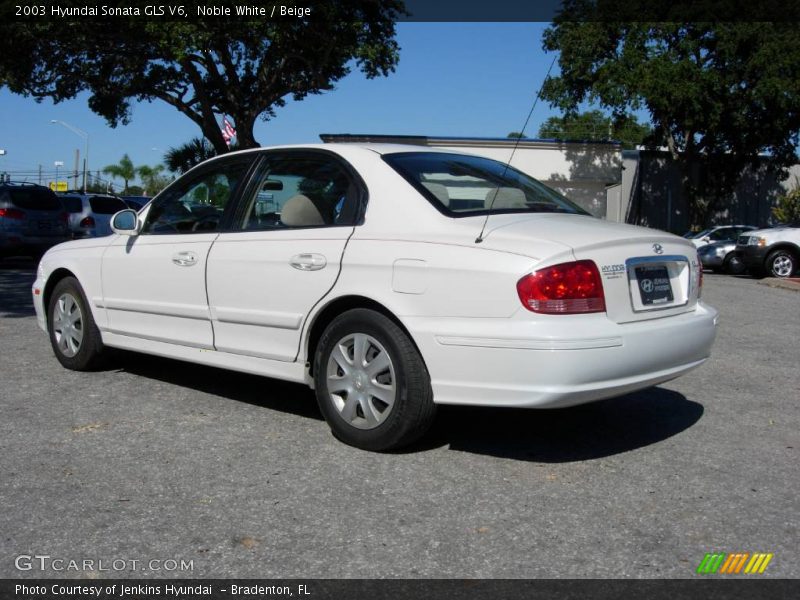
547	369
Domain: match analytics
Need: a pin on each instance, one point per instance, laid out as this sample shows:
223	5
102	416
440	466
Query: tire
73	334
781	263
733	265
379	409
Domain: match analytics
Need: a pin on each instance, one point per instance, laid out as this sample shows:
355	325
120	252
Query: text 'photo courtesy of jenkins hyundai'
389	279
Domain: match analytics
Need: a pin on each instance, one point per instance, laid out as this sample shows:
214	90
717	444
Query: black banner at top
414	10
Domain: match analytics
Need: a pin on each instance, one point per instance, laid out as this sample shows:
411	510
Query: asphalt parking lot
157	459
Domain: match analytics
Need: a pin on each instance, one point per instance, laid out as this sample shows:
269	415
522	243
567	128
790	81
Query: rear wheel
371	382
74	336
781	263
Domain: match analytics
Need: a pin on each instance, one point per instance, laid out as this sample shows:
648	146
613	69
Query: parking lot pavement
157	459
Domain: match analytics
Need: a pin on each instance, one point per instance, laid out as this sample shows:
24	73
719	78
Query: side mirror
707	240
126	222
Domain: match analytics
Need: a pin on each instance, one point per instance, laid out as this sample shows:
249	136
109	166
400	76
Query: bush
788	208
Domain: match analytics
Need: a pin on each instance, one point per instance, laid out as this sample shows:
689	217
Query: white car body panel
243	306
250	271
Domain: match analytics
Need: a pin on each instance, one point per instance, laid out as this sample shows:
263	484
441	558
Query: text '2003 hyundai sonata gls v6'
390	279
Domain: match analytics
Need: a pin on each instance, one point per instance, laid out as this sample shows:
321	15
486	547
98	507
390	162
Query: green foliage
516	135
182	158
124	169
595	126
719	94
153	179
788	206
239	67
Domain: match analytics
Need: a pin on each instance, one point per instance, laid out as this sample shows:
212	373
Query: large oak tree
240	67
721	95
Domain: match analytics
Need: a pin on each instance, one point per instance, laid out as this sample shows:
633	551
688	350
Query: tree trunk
245	122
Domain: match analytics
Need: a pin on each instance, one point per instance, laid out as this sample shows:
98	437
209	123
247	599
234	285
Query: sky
453	79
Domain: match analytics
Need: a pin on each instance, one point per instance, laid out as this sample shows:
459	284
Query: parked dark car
31	220
136	202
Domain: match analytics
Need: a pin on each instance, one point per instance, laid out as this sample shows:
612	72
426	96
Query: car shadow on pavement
16	278
284	396
578	433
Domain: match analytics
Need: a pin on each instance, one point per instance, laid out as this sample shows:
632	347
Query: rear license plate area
654	284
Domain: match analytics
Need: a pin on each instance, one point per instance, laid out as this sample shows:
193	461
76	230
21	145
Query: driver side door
154	284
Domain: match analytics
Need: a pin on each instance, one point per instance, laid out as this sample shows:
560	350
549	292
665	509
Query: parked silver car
720	233
31	219
722	257
90	214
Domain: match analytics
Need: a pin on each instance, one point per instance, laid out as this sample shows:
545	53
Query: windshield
462	185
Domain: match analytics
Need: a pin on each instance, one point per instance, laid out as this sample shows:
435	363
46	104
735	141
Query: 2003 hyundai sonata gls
390	279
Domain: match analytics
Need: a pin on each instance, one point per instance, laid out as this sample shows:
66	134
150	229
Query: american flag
228	132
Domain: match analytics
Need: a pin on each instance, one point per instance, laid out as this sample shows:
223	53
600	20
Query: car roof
338	147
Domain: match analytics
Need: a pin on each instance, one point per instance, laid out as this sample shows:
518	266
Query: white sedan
388	278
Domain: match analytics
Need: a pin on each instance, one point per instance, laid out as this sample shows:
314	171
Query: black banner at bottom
378	589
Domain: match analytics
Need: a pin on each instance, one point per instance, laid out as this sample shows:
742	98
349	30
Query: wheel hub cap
360	381
68	325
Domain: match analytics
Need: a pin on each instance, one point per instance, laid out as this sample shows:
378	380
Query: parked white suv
774	251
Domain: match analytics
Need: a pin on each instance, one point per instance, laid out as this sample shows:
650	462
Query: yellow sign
62	186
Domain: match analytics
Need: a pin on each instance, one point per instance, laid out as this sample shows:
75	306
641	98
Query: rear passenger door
285	253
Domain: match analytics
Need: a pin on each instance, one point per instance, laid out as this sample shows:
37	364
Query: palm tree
124	169
150	177
184	157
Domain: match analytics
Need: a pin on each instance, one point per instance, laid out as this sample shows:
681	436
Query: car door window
199	205
302	191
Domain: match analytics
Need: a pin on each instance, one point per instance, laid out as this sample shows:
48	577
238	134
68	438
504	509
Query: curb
792	283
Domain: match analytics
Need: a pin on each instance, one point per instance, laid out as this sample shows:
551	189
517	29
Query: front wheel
781	263
73	334
371	383
733	264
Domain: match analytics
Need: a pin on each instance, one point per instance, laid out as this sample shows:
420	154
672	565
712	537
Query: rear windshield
461	185
35	198
72	204
106	205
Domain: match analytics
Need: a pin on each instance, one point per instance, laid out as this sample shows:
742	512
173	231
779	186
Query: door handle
308	262
184	259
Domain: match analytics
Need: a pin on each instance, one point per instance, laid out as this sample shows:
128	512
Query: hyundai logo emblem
658	249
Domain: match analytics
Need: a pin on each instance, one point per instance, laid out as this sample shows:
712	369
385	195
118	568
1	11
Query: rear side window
462	185
106	205
72	204
35	199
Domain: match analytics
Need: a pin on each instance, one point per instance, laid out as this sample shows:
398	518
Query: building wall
652	191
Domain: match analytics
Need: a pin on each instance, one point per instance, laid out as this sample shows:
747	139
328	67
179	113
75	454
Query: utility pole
75	172
40	174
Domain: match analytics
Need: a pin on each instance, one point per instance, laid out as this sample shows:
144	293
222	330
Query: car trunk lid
646	273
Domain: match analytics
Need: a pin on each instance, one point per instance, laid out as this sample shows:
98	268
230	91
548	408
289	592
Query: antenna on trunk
479	239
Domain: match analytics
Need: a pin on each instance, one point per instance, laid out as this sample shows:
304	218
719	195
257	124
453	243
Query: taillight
12	213
565	289
87	222
699	277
